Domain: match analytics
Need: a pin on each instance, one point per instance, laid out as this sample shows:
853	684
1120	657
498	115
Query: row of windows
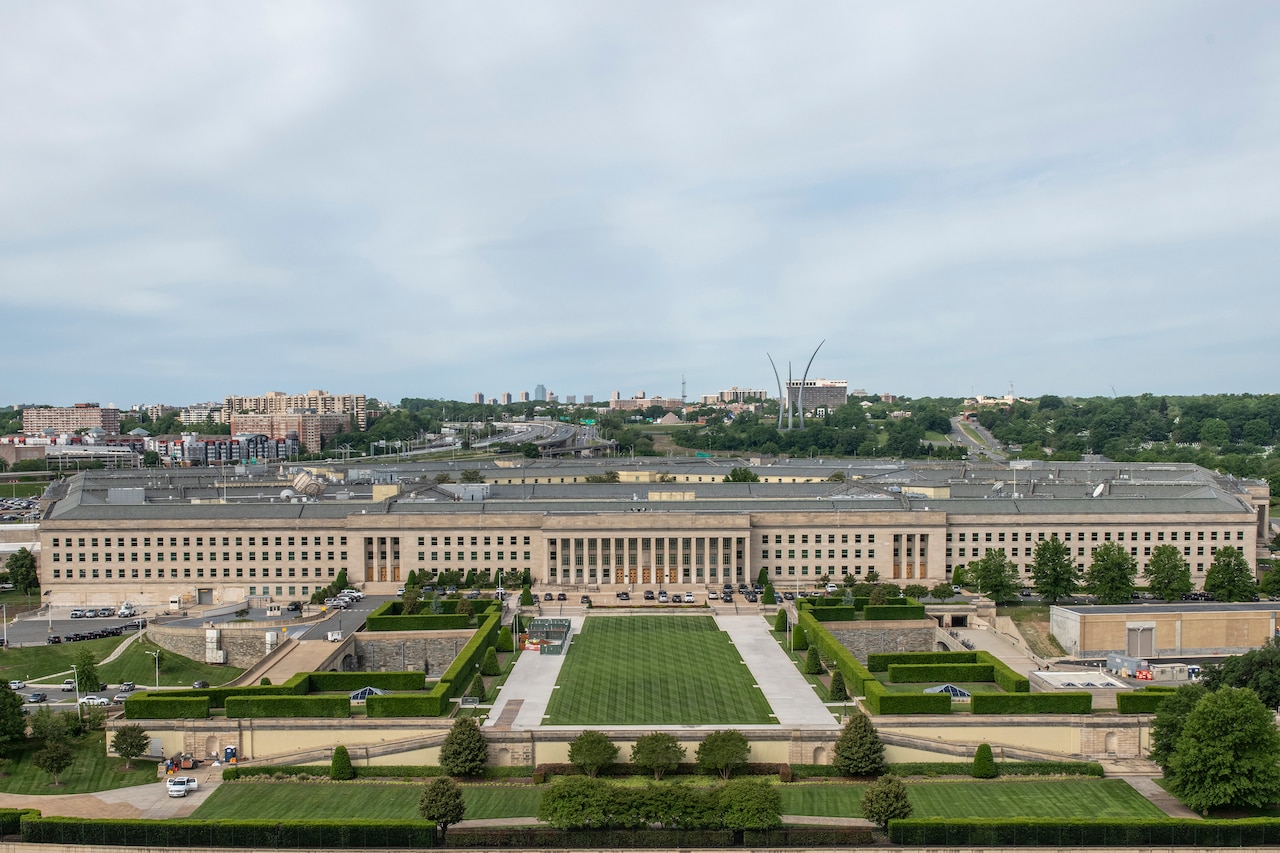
817	538
61	542
462	540
831	553
818	571
488	555
114	574
1106	536
1133	550
92	556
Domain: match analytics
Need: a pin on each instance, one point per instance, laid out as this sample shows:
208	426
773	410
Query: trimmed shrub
835	613
799	638
264	682
1084	832
247	707
921	673
526	597
837	691
984	763
880	662
490	664
403	705
477	688
1003	768
1031	703
340	767
784	773
504	642
886	612
1141	701
780	621
813	662
141	706
855	674
881	701
328	682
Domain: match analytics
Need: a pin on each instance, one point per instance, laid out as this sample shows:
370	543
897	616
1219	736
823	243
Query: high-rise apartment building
478	397
279	403
506	398
540	393
81	416
829	394
524	396
309	428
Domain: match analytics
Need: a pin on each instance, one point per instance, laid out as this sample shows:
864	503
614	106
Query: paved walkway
793	699
991	641
531	683
1160	798
150	801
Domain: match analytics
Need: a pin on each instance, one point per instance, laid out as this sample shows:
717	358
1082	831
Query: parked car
69	685
560	596
94	700
52	640
128	687
180	786
689	598
586	599
400	591
38	697
624	596
199	684
662	597
17	685
546	596
77	614
119	698
713	595
294	606
106	612
789	596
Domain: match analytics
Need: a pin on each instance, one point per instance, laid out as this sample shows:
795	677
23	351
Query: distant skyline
427	200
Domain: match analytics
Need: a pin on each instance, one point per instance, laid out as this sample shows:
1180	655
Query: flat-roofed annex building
110	536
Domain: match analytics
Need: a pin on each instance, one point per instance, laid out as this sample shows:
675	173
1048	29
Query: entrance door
204	596
1140	642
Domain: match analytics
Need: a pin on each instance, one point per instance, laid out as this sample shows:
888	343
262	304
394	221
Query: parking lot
19	509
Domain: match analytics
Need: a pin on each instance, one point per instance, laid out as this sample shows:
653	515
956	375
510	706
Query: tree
858	750
442	803
504	642
464	607
1052	570
54	758
526	597
575	802
799	639
884	800
915	590
129	742
477	690
741	475
1111	573
960	577
464	751
658	753
984	763
490	664
1168	575
340	765
48	726
813	662
996	577
780	622
472	475
942	591
838	692
1229	577
1170	717
592	752
749	804
1258	669
879	595
86	671
1228	753
13	722
722	752
21	567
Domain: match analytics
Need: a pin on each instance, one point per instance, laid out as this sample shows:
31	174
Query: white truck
180	786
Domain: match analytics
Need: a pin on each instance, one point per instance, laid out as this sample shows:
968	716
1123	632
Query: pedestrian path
529	687
794	701
1160	798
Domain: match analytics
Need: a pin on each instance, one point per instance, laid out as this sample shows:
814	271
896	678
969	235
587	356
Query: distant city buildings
310	429
827	394
506	398
320	402
202	413
734	395
640	401
477	397
540	393
524	396
70	419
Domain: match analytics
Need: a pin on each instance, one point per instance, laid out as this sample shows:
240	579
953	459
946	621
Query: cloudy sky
434	199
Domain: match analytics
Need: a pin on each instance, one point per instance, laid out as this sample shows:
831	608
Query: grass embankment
92	770
29	663
1054	798
634	670
134	664
1033	624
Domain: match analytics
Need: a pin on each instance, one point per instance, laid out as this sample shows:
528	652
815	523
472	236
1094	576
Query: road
976	448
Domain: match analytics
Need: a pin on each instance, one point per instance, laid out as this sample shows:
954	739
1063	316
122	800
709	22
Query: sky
408	199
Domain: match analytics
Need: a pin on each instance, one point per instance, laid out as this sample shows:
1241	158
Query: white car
94	700
355	593
17	685
689	598
180	786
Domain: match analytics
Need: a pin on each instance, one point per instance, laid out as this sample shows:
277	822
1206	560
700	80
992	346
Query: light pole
156	655
79	708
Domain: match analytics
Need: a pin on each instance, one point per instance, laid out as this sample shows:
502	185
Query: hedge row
381	771
1140	701
1031	703
247	707
1086	832
880	701
835	614
905	673
881	661
420	622
886	612
856	676
1009	681
182	706
1003	768
457	678
297	685
402	705
11	819
329	682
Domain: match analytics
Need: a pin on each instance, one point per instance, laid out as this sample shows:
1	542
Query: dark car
38	697
294	606
648	595
561	597
586	599
546	596
623	596
52	640
199	684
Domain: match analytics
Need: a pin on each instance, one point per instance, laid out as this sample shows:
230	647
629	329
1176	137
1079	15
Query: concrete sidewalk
794	701
531	682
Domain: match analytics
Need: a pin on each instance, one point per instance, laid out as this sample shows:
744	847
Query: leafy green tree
48	725
576	802
879	595
592	752
21	567
54	758
749	804
86	671
129	742
884	800
1270	583
961	576
996	577
340	767
984	763
464	751
813	662
490	664
1111	573
1258	669
741	475
942	591
472	475
722	752
1170	717
1052	570
659	753
464	607
442	803
837	692
13	722
915	590
1229	577
1168	575
1228	753
858	750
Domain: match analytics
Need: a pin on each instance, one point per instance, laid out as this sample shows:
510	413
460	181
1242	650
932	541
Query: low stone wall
429	652
900	635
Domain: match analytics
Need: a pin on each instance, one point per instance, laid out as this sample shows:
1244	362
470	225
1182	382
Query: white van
126	611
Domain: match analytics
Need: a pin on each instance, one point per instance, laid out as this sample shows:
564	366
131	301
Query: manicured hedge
376	771
1010	681
457	678
1031	703
880	662
420	622
11	820
243	707
328	682
886	612
905	673
1003	768
835	614
1084	832
182	706
1140	701
402	705
881	701
297	685
855	674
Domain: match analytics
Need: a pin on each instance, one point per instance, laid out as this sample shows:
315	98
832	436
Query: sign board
470	702
702	455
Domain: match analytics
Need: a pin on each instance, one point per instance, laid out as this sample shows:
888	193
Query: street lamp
156	655
79	708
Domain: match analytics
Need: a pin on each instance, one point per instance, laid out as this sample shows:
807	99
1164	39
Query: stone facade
867	638
430	652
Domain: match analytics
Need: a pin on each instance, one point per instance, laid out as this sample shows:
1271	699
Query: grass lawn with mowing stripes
660	670
92	770
248	800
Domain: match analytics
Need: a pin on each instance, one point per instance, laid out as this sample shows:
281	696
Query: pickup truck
180	786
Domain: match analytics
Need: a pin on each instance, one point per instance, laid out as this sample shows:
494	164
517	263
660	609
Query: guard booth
549	636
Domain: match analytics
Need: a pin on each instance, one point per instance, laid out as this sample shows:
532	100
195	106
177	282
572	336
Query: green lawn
248	800
31	662
971	686
134	664
672	670
1057	798
93	770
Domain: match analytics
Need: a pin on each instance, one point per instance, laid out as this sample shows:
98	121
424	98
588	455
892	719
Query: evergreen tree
340	765
858	750
780	622
477	688
813	663
504	642
799	639
464	751
490	664
838	692
526	597
984	763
